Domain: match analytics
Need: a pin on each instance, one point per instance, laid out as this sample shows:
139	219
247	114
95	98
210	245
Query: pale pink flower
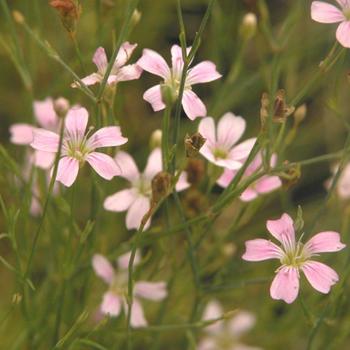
226	334
47	118
220	147
326	13
263	185
78	147
136	199
203	72
120	71
343	184
114	300
295	257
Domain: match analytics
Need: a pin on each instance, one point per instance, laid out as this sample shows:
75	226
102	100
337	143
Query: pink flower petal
67	171
155	291
103	164
103	268
282	229
154	96
207	152
285	285
177	61
260	250
325	13
182	183
212	311
320	276
120	201
228	163
242	150
43	159
206	128
230	129
241	323
248	195
76	122
203	72
130	72
91	79
44	140
124	54
193	105
127	165
328	241
111	304
154	63
137	315
21	134
100	59
45	114
268	184
226	178
154	164
136	213
343	34
123	260
107	137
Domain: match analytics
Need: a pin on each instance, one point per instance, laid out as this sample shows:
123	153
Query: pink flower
203	72
77	147
220	147
326	13
115	298
264	185
225	335
343	184
47	118
120	71
295	257
136	200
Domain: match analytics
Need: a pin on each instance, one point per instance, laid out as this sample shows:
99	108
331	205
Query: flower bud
300	114
69	11
161	184
248	26
136	16
61	106
195	170
156	139
193	144
18	17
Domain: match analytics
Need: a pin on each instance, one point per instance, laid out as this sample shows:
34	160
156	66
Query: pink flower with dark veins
120	71
265	184
203	72
295	257
324	12
136	199
221	147
78	147
115	299
47	118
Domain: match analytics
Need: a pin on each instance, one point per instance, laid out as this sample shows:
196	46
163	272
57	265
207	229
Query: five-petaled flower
203	72
115	298
295	257
226	334
120	71
261	186
137	199
220	147
326	13
47	118
78	147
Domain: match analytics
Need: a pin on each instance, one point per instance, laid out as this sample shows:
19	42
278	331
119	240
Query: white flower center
119	285
143	186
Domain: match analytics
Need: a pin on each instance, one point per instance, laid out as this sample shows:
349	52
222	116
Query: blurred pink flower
225	334
120	71
115	298
295	256
47	118
136	200
326	13
343	184
203	72
264	185
220	147
77	147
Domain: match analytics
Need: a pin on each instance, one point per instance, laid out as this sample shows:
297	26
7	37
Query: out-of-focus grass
299	50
